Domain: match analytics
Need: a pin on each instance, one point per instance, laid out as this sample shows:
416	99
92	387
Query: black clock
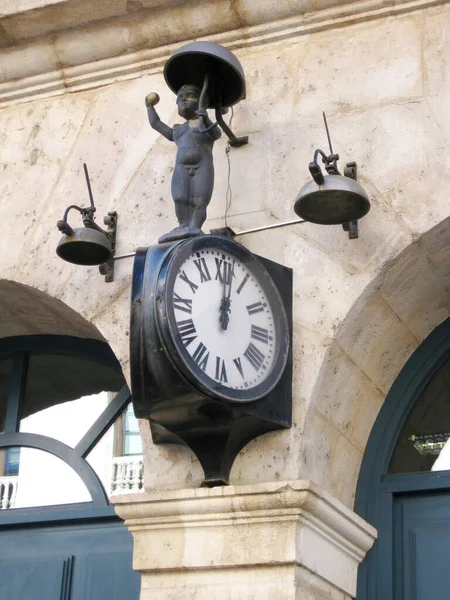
211	361
222	319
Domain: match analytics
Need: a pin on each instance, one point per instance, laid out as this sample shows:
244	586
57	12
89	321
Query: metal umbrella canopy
192	62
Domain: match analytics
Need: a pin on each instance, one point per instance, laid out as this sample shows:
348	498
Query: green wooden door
68	561
422	546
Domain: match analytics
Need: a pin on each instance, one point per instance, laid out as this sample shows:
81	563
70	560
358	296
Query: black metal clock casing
211	358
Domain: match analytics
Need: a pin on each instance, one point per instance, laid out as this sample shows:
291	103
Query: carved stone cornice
74	45
283	525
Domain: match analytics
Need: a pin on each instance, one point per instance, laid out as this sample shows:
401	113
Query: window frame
20	349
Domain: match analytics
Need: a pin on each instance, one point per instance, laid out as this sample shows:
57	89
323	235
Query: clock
210	347
222	319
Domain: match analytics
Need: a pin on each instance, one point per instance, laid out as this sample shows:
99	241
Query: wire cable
229	192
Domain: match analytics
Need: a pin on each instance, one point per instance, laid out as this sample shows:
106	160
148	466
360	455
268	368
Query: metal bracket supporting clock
211	361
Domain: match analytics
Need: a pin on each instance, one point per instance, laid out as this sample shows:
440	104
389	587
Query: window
423	444
59	400
132	439
12	457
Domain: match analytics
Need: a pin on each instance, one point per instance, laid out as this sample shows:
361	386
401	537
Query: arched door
404	484
59	537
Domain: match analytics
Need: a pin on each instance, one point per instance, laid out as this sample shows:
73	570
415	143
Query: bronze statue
193	174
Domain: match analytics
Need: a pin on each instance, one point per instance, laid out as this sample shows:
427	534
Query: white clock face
224	319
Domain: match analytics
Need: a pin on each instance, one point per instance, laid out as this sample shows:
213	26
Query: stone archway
24	310
405	302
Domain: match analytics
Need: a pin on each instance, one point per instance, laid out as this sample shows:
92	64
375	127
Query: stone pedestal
284	540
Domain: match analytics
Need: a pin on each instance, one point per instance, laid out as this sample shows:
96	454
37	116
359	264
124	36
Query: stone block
317	450
268	457
436	49
351	68
411	283
436	245
344	471
309	353
35	142
367	409
342	390
376	340
324	288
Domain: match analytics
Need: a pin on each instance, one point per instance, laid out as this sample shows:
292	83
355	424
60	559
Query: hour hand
224	310
225	305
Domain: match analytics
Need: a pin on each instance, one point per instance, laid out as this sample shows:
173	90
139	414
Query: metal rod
274	226
328	133
255	230
129	255
88	181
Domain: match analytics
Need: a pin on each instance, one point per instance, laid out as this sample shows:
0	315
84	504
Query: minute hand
225	305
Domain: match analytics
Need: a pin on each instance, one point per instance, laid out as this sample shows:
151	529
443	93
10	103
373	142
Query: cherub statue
193	175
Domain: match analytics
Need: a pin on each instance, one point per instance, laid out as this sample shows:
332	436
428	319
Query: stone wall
380	71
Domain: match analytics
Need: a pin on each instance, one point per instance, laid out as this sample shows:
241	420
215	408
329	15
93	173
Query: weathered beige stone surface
360	306
284	540
401	306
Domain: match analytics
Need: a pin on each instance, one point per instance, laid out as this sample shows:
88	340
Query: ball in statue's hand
152	99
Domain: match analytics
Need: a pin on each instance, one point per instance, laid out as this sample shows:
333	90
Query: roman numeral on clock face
190	283
203	270
260	334
201	356
237	362
224	271
184	304
187	331
254	356
241	285
255	308
221	372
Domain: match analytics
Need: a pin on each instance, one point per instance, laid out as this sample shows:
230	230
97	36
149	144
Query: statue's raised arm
205	123
150	101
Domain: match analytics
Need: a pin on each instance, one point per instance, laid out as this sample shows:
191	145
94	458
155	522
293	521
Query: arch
95	361
397	311
26	310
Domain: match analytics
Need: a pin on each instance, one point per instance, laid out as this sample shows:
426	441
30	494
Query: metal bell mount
332	199
89	245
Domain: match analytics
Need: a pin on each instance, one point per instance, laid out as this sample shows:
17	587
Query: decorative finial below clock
203	75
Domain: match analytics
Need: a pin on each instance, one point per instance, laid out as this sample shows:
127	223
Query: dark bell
190	63
85	246
338	200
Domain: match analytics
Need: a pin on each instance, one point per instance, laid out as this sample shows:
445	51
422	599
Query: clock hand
225	305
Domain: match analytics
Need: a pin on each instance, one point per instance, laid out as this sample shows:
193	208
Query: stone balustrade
8	492
127	475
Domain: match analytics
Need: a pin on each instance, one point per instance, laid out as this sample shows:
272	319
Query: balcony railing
127	478
8	492
127	475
